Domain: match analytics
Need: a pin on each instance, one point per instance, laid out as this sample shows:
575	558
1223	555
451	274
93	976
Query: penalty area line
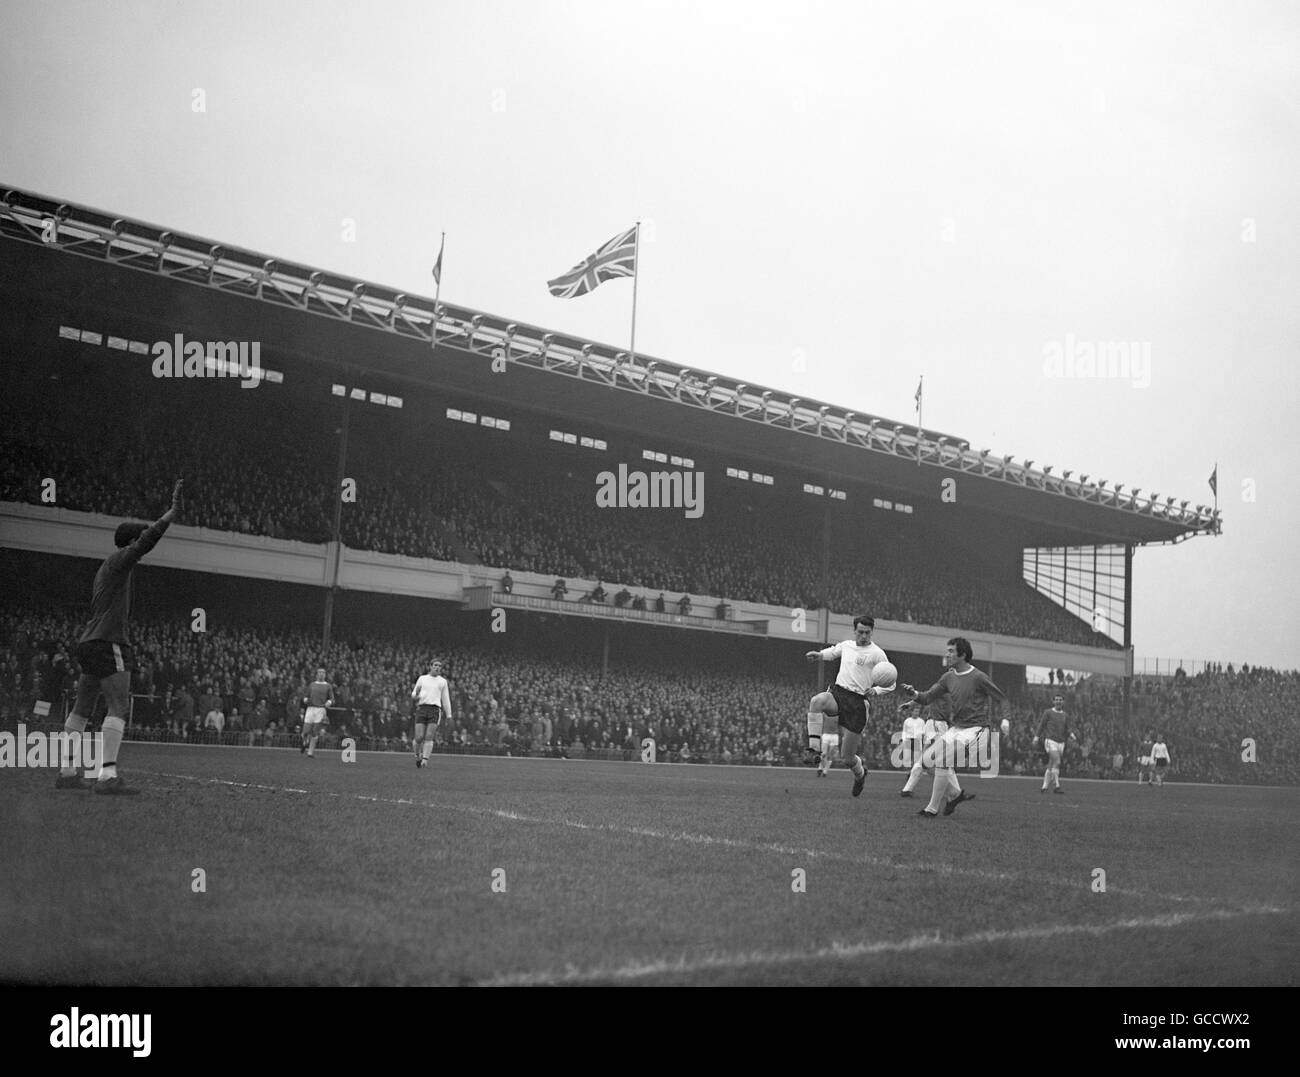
838	951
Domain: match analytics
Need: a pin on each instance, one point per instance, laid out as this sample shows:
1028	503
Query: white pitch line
663	767
683	966
690	838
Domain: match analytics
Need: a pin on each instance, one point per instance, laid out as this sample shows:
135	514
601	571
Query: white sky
882	190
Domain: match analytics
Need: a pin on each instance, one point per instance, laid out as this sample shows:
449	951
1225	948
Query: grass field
320	872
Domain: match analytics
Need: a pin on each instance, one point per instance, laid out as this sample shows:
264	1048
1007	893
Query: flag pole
1216	486
920	413
636	259
437	292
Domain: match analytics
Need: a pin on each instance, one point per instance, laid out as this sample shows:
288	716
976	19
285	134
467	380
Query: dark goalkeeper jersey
968	696
110	600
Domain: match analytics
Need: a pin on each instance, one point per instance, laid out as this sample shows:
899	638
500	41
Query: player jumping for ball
969	692
320	695
105	655
432	700
846	699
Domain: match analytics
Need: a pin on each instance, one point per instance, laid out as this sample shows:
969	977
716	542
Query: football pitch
260	866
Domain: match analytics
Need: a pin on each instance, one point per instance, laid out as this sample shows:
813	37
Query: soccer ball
1006	727
884	675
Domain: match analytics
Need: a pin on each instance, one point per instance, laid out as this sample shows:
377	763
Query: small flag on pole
918	394
617	258
1214	480
437	266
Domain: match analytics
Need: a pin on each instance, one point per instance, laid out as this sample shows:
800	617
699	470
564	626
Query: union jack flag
617	258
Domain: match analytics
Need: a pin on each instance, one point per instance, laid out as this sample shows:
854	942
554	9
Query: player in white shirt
432	698
1160	757
846	699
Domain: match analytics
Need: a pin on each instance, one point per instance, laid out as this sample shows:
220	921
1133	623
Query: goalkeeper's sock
815	730
913	777
428	748
74	725
112	734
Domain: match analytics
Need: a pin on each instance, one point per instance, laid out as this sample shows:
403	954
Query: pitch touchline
698	839
847	952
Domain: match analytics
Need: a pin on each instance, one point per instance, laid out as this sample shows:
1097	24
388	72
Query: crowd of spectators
245	685
541	518
265	462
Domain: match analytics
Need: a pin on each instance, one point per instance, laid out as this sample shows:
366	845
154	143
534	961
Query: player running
846	699
969	692
320	695
1053	731
105	655
432	699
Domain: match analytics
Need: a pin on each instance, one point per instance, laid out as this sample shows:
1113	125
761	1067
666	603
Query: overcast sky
837	199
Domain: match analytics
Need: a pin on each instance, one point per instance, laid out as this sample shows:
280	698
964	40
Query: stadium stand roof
214	291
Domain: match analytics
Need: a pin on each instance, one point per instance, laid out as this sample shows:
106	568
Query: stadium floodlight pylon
89	233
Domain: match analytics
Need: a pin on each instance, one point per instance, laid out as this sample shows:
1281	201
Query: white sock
953	788
428	748
858	768
938	790
913	777
75	724
815	730
112	732
1047	777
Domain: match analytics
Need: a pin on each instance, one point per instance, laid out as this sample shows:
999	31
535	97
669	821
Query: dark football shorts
852	708
1162	762
428	714
102	658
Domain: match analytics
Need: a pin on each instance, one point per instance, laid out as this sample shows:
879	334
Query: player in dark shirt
105	653
1053	731
316	704
970	694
